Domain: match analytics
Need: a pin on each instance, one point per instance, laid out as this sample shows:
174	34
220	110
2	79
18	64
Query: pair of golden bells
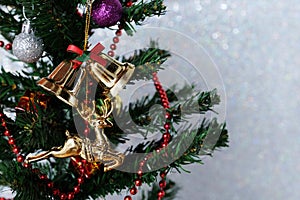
66	79
66	82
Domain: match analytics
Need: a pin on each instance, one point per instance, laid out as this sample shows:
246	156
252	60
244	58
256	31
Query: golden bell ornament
65	82
111	74
66	79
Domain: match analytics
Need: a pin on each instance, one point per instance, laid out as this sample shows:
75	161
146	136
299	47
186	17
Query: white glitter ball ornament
26	46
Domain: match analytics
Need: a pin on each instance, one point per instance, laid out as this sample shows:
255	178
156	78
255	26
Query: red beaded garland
20	159
166	138
7	46
115	41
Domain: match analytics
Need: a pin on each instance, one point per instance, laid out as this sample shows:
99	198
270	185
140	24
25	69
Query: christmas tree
62	117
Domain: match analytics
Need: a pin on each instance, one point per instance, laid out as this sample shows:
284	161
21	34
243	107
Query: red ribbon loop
76	64
74	49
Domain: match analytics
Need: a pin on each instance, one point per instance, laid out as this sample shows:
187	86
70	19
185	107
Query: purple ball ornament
106	12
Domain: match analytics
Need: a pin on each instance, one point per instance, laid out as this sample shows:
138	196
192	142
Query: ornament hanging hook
26	28
24	15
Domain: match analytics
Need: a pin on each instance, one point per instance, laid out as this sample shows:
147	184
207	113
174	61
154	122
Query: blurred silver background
256	46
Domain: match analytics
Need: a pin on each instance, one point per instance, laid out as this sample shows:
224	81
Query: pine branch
147	61
139	12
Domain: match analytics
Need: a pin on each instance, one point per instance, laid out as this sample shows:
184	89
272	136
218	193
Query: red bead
16	150
82	171
8	46
4	124
158	87
161	194
168	116
142	164
20	158
77	159
129	4
164	144
86	131
127	198
165	105
1	43
162	184
80	180
133	191
56	192
118	33
163	174
7	133
76	189
138	182
164	100
43	177
116	40
26	165
166	137
140	172
71	196
167	126
111	53
11	141
50	185
35	170
63	196
113	47
120	26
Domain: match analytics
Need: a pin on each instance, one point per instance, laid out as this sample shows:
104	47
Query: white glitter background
255	44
